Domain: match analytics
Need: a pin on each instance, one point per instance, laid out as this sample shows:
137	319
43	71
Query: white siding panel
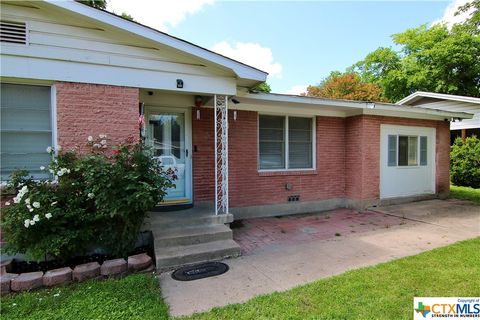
32	68
66	47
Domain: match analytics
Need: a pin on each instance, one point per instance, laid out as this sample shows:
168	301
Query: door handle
186	153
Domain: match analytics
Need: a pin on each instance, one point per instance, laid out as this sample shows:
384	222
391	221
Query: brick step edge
116	268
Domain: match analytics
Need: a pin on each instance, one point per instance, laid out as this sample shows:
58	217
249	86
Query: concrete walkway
433	224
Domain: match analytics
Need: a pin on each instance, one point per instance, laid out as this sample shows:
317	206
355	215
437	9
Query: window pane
423	151
299	143
392	151
272	142
25	128
403	151
412	151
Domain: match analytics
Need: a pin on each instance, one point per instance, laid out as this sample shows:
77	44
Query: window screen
407	150
26	129
272	142
299	142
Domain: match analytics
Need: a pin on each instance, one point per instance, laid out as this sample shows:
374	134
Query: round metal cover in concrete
200	271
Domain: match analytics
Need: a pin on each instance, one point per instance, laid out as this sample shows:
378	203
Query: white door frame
188	141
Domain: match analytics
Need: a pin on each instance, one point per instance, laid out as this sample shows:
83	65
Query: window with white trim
285	142
26	129
407	150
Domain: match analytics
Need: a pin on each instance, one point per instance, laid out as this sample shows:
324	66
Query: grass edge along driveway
384	291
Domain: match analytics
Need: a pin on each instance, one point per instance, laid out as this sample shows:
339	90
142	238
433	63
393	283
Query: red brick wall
202	155
348	160
249	187
91	109
363	153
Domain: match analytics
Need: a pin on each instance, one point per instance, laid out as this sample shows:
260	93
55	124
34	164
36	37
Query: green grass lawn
384	291
466	193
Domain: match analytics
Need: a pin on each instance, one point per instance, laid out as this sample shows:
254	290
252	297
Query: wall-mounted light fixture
198	103
234	115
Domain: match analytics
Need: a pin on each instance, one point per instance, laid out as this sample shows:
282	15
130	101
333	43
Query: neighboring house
459	127
69	71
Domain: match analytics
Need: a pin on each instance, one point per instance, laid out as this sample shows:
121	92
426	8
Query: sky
297	43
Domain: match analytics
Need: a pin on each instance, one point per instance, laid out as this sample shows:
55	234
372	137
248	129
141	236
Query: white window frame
286	150
53	111
398	151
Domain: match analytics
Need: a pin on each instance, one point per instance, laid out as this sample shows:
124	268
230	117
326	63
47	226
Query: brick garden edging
11	282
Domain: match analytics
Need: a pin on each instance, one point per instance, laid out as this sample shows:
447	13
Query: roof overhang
246	74
301	105
438	96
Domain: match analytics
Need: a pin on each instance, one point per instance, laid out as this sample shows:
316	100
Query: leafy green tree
262	87
99	4
430	59
125	15
473	22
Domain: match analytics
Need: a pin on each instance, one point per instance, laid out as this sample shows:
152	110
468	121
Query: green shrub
96	199
465	162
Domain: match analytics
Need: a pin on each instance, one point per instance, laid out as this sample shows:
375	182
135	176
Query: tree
472	24
430	59
125	15
262	87
345	86
99	4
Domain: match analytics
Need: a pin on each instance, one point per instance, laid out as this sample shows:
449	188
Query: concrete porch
191	236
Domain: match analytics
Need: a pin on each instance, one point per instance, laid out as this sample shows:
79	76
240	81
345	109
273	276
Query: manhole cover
199	271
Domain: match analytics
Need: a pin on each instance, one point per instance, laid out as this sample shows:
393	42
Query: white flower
36	204
96	145
90	138
27	201
36	218
32	222
7	203
59	148
102	136
14	304
48	215
56	295
42	168
51	171
90	195
103	142
29	206
26	223
49	149
54	203
30	209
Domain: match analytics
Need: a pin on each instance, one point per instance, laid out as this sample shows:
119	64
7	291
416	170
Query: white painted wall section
402	181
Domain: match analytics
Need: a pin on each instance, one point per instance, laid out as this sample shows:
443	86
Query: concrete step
172	257
193	235
169	220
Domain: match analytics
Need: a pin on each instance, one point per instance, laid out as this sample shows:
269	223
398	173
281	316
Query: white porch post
221	153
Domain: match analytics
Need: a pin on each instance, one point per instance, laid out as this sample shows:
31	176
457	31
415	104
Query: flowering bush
97	199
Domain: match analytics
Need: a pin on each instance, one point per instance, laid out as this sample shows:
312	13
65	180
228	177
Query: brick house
70	71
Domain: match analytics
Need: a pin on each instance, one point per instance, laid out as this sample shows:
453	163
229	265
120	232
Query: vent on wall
13	32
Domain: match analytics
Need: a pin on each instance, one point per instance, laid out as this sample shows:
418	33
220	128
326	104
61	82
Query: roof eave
370	106
240	69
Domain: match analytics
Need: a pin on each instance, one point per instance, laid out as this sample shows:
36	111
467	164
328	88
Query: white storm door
169	135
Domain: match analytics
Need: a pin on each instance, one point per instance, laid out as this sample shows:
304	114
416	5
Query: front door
169	135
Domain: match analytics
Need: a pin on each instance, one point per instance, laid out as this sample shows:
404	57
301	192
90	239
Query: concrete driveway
431	224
